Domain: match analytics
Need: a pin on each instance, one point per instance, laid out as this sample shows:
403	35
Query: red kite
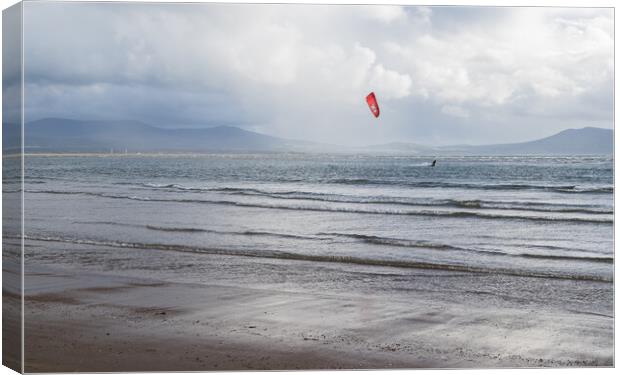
372	104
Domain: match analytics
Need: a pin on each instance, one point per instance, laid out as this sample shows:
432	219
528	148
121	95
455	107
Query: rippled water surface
548	217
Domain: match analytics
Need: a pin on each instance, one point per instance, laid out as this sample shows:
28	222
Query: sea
522	230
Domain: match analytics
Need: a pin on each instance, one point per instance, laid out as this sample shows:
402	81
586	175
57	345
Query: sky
442	75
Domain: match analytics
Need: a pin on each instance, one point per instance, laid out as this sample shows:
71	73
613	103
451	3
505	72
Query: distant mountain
585	141
582	141
63	135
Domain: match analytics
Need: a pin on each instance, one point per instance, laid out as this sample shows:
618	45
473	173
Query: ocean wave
94	194
9	191
364	238
402	201
272	254
241	233
471	203
421	184
26	181
428	213
161	186
569	257
397	242
443	184
200	230
174	186
577	189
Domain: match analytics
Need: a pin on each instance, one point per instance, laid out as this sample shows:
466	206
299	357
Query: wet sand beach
90	322
210	328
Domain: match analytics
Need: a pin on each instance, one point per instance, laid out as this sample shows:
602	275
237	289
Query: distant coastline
65	136
198	154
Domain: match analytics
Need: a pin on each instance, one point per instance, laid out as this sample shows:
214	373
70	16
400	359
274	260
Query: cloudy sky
442	75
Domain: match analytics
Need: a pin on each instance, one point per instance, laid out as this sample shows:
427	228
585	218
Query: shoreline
118	323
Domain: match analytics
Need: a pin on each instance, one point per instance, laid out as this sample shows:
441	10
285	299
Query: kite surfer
433	163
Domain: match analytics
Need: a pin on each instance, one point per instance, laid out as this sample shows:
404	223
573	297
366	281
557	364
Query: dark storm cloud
443	74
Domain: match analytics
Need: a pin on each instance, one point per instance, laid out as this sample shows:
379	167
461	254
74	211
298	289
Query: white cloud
389	83
295	70
386	13
530	51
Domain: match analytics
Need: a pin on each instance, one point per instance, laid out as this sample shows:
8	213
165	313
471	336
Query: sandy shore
120	326
78	322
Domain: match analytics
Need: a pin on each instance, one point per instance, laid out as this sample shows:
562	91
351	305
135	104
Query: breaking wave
428	213
352	260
